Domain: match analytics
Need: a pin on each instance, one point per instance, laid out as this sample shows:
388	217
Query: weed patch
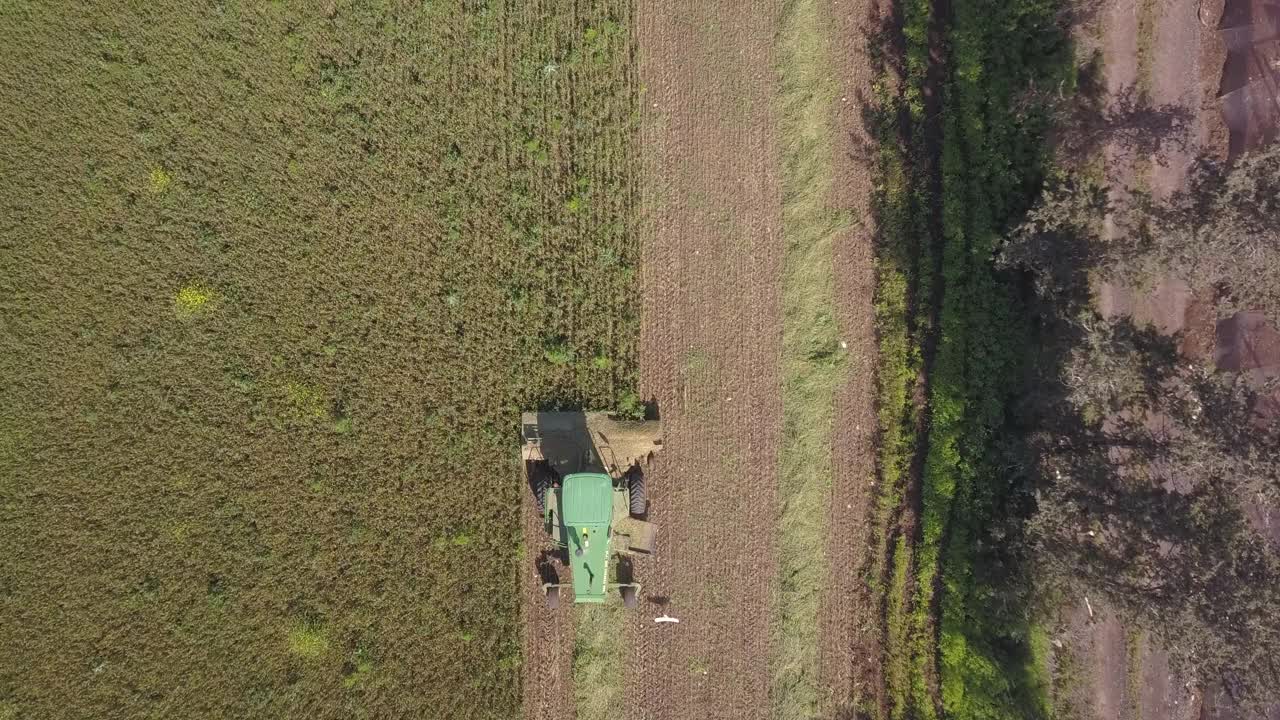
191	300
308	642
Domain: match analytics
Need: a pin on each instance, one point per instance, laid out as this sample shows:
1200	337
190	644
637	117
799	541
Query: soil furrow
710	358
547	693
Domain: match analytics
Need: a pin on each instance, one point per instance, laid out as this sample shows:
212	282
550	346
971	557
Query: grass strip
597	660
813	358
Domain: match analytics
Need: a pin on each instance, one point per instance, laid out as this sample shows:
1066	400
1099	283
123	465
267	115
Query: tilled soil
710	357
547	693
848	621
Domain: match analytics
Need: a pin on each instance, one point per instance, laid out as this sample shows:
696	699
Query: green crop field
275	282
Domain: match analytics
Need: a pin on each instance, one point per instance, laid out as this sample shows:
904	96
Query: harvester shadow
624	570
549	563
539	476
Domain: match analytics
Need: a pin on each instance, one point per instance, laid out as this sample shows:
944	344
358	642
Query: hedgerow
948	649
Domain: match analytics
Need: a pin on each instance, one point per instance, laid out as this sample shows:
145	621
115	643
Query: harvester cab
586	472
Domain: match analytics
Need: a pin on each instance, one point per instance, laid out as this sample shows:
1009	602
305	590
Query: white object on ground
666	618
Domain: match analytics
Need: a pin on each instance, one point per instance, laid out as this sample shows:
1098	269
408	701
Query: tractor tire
553	598
629	600
639	500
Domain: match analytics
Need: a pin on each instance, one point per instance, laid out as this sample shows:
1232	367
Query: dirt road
1159	49
1168	49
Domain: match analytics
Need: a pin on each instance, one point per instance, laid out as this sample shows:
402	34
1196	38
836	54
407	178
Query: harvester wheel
628	597
553	598
639	500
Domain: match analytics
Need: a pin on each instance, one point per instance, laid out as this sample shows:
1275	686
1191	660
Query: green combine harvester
585	470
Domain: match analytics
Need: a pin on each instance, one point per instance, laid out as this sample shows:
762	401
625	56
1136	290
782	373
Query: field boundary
813	354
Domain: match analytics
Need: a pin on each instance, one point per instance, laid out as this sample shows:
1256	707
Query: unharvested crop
277	280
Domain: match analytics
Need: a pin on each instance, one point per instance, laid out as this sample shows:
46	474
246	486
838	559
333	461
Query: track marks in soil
710	349
547	692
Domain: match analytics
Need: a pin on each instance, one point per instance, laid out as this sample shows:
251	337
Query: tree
1222	233
1143	475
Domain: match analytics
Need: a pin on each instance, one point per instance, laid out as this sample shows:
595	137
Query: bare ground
1099	638
547	693
848	621
1106	646
710	355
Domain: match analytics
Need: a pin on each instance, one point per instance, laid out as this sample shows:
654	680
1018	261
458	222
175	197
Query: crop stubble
547	691
709	355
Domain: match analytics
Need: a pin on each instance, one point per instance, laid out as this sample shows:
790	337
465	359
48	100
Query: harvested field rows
548	636
710	356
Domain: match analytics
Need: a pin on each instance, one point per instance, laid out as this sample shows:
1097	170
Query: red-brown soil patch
1250	77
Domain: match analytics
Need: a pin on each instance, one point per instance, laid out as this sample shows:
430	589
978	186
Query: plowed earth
710	356
547	692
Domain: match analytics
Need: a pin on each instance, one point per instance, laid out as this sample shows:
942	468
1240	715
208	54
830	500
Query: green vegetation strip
597	660
992	162
942	631
906	270
813	359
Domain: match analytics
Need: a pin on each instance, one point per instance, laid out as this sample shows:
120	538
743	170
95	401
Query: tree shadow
1126	121
1138	462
